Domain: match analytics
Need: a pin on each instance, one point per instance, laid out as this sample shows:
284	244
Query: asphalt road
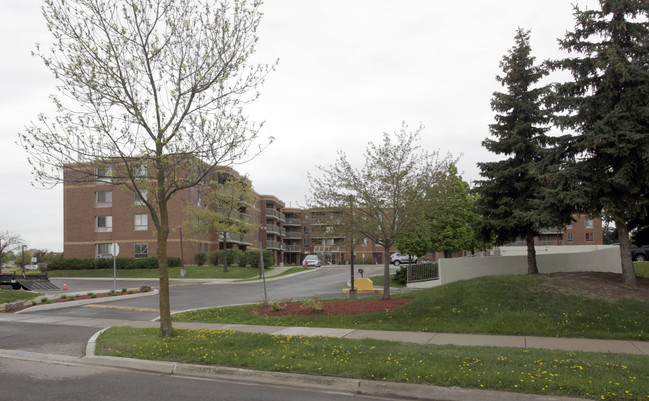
194	294
42	381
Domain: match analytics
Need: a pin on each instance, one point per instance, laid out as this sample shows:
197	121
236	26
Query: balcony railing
273	229
292	248
293	222
272	213
274	245
236	238
294	235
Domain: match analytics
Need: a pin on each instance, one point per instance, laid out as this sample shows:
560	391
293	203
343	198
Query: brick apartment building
98	213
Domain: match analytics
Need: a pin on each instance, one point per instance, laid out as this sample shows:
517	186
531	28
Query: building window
306	229
306	243
140	171
590	237
364	242
141	249
104	223
103	250
569	226
141	222
570	238
104	199
103	174
139	201
328	241
588	223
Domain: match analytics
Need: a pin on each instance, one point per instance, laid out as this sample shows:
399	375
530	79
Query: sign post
115	251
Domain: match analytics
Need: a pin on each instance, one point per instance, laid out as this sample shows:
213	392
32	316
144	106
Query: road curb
69	304
309	382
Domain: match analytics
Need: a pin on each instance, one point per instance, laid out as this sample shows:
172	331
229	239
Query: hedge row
235	257
62	263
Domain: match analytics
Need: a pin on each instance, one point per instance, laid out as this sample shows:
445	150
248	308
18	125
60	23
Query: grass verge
509	305
17	295
597	376
641	269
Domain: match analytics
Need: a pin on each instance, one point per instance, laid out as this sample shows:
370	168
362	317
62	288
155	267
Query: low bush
252	258
200	258
121	263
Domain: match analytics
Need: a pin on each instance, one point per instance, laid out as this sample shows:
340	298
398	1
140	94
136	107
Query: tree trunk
166	328
628	272
532	268
225	252
386	272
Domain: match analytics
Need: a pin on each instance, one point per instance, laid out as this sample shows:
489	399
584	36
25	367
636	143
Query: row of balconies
274	214
282	247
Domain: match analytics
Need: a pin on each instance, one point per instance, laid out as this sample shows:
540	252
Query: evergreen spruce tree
511	195
607	105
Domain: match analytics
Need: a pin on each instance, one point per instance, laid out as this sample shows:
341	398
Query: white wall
601	259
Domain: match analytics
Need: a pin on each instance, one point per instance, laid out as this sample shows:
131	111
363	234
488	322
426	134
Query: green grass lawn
17	295
591	375
641	269
196	272
379	280
510	305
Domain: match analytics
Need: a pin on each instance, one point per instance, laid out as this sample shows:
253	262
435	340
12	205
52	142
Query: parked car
640	253
397	258
311	261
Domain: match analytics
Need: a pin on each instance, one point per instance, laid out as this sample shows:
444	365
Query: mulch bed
335	307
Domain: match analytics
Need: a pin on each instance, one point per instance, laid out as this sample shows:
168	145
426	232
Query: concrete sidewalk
551	343
352	386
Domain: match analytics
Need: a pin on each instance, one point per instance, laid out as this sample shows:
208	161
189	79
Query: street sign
115	249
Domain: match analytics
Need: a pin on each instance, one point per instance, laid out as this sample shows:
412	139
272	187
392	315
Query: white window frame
104	203
141	222
589	223
141	254
107	254
107	226
103	174
137	201
592	237
570	237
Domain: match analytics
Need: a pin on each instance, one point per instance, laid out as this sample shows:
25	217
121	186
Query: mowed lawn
510	305
495	305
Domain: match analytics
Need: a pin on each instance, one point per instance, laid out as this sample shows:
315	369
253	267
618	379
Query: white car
311	261
397	258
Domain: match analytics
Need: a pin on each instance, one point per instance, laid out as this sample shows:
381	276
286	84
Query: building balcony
274	245
273	229
293	222
294	235
274	214
293	248
236	238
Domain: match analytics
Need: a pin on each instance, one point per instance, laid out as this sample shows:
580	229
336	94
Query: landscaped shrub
200	258
401	276
252	258
213	258
120	263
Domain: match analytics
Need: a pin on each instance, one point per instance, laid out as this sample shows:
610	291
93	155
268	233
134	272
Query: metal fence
423	272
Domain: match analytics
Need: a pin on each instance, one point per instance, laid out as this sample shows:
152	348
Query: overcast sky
348	71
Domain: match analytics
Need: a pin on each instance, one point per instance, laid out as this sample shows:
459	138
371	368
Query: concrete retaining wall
602	259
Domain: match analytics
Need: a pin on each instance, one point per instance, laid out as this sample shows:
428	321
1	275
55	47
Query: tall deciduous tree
8	242
606	103
151	95
451	213
385	190
511	194
223	212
